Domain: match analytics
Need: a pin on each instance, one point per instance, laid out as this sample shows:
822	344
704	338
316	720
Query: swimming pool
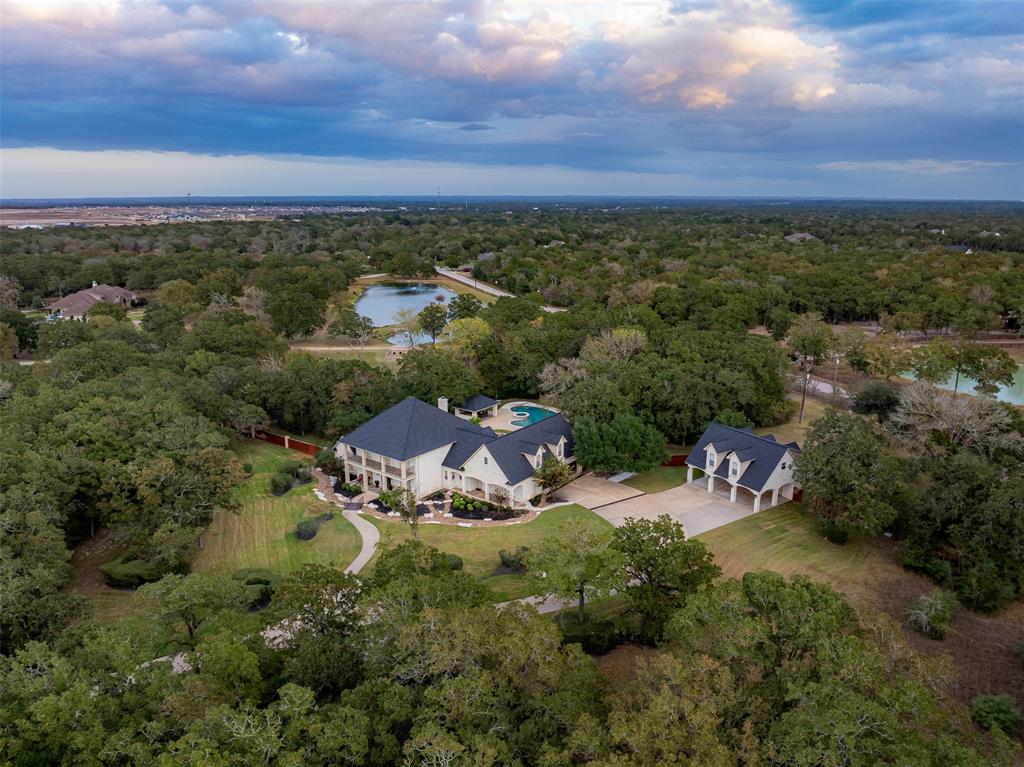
529	414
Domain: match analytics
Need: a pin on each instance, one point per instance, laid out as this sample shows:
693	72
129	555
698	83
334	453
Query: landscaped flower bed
347	489
474	508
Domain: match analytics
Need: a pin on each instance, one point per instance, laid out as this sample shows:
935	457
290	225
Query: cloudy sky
866	98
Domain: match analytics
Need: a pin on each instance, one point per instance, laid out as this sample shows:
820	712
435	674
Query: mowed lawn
479	546
262	533
788	541
658	479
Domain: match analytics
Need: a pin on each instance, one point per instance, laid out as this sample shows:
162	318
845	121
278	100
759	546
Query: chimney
442	403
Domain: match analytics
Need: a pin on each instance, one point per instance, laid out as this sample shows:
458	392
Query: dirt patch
86	560
980	646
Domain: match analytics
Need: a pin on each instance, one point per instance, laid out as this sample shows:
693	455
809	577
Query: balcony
387	467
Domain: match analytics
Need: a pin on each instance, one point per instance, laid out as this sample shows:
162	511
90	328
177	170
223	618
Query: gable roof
478	402
79	302
763	453
508	449
413	427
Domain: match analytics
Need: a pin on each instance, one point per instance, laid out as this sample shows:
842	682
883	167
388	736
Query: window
733	468
711	460
559	450
485	460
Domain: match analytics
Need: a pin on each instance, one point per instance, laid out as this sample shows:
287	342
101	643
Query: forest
674	317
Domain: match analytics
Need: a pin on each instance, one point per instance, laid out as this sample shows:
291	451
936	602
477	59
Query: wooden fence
289	442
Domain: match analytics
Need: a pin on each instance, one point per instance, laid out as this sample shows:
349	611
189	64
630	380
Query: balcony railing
387	467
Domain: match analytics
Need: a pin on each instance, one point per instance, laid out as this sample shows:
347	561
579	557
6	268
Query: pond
1014	393
379	302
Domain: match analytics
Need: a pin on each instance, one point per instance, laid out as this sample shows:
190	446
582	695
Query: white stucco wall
429	471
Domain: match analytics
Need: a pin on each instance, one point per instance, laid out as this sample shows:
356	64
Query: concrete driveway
595	492
690	504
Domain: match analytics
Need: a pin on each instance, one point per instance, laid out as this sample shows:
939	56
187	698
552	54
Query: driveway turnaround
691	505
596	492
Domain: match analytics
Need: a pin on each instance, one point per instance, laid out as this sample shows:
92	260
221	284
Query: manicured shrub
930	614
280	483
595	636
996	712
306	529
834	533
513	560
127	573
247	468
454	561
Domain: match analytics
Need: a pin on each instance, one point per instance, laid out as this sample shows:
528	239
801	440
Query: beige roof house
77	305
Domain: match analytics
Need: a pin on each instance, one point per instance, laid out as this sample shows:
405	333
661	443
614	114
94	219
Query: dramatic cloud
789	92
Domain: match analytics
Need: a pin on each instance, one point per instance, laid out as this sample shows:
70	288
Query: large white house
744	461
425	449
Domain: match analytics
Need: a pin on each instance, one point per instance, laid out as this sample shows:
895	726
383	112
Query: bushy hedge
281	483
930	614
513	560
306	529
454	561
834	533
596	636
996	712
129	573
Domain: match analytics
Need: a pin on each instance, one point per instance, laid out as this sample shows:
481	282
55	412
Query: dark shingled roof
413	427
764	453
508	449
478	402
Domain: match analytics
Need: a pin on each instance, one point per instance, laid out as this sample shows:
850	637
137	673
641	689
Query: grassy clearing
658	479
262	534
479	546
787	540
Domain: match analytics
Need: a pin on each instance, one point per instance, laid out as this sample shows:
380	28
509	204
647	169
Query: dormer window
734	468
711	459
558	450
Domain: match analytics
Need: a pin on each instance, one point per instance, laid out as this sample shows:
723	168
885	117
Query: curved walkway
368	532
370	535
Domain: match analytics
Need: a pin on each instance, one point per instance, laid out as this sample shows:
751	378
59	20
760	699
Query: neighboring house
75	306
800	237
477	406
744	460
425	449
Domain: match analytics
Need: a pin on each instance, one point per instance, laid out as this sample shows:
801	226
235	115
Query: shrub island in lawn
291	474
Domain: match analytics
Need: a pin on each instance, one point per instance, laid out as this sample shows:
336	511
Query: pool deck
503	421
